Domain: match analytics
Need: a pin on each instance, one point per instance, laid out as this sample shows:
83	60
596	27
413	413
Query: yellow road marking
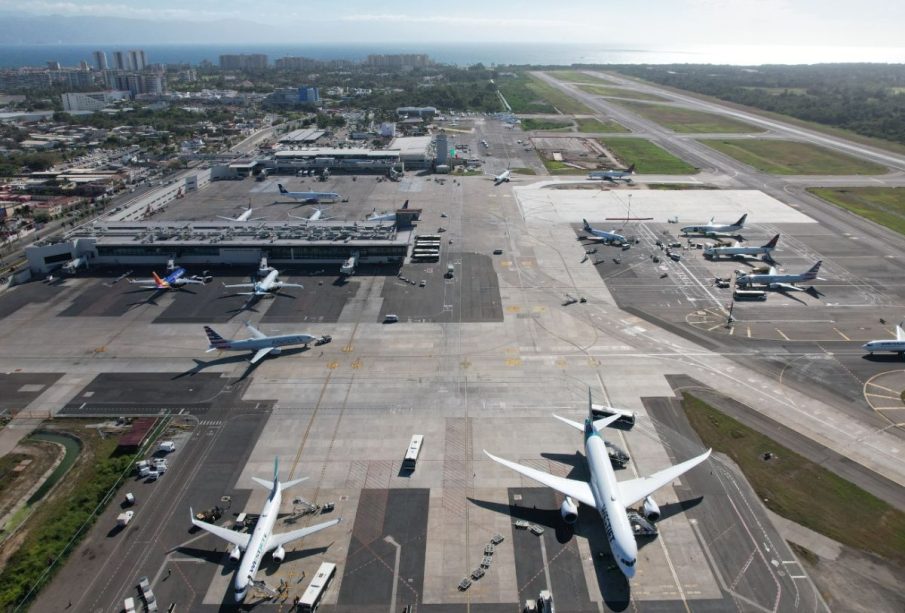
347	348
714	327
514	362
749	331
513	309
782	335
465	364
841	334
882	388
357	363
883	396
731	330
889	408
333	365
561	363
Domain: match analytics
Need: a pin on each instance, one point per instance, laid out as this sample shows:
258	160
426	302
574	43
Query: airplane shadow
882	358
200	365
675	508
575	460
212	556
549	518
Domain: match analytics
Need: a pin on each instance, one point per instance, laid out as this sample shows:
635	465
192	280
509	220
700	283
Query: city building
414	151
53	65
137	59
294	63
424	112
120	61
348	160
242	61
399	60
309	95
91	101
100	60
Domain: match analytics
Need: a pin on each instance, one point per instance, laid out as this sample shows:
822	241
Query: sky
655	23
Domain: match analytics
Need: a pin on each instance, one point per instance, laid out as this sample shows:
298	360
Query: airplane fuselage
892	346
268	284
765	279
615	520
257	545
254	344
714	230
716	252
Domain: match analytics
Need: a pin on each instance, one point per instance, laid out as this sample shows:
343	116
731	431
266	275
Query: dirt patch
20	470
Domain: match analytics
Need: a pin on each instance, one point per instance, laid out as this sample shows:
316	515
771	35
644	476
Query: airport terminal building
218	243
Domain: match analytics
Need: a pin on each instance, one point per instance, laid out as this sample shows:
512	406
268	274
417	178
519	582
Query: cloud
78	9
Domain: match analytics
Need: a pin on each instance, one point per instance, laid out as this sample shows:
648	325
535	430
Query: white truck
123	519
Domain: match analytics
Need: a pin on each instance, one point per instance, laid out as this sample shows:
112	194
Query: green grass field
781	157
647	157
575	76
523	171
801	490
546	124
523	98
561	168
688	121
619	92
563	102
589	124
882	205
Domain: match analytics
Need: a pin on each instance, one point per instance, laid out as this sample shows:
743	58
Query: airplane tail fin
587	227
282	189
741	220
773	242
160	282
406	205
216	341
812	271
631	169
288	484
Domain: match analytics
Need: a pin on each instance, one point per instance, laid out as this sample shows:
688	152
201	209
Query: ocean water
467	54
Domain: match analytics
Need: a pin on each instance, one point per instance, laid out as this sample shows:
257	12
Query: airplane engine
276	351
235	553
651	510
569	511
279	553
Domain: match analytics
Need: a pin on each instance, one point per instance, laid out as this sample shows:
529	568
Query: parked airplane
262	540
309	197
260	343
316	215
774	280
72	266
717	229
503	177
613	175
266	286
175	279
244	216
609	496
736	250
375	216
895	346
610	237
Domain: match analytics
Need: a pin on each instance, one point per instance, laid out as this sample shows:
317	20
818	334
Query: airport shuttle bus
749	294
411	454
312	596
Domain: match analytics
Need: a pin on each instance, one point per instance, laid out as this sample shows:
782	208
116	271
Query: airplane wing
292	285
239	285
278	540
772	270
579	490
787	287
598	423
633	490
259	355
239	539
147	282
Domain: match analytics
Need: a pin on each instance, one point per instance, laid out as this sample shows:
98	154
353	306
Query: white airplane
736	250
73	265
244	216
774	280
717	229
262	540
260	343
609	496
503	177
610	237
315	216
266	286
309	197
895	346
375	216
613	175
